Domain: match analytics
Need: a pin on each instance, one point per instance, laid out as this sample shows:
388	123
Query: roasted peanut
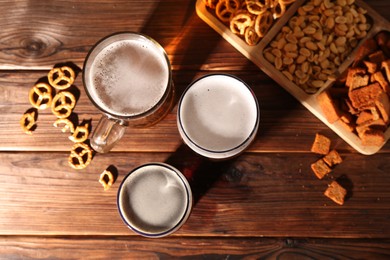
317	40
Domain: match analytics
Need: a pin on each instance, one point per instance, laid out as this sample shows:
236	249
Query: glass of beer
218	116
127	76
154	200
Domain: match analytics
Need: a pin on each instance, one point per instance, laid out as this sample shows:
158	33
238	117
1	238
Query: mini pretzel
257	6
226	8
251	36
263	22
61	78
68	124
27	122
278	10
40	96
83	130
240	22
103	179
62	104
80	156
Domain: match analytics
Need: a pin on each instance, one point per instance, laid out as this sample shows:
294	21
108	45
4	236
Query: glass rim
219	153
188	207
167	90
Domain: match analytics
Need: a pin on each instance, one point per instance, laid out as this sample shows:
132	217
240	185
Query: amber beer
218	116
128	77
154	200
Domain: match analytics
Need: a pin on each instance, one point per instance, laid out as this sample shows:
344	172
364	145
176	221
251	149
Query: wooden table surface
266	203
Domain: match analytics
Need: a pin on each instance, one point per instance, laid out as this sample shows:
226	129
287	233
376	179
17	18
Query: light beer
128	77
218	116
154	200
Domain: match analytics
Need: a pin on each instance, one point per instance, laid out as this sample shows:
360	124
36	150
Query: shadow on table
200	172
177	27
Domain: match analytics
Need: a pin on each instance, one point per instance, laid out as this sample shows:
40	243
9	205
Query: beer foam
154	199
128	77
218	113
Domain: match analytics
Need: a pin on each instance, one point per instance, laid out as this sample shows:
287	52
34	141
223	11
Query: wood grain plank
190	248
285	124
36	35
256	195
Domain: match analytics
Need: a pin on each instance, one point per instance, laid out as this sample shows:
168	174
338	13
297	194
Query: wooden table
266	203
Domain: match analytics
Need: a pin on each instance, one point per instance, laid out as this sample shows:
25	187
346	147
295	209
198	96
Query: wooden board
255	54
256	195
191	248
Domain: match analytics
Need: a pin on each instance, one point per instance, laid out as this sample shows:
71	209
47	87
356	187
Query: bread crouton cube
371	66
353	77
372	137
320	168
332	158
336	192
377	57
383	105
328	106
386	66
364	97
364	117
378	77
321	144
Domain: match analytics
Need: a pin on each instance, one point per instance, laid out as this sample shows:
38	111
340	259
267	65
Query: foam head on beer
127	74
154	200
218	116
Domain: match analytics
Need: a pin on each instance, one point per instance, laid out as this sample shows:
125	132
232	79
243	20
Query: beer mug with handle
127	76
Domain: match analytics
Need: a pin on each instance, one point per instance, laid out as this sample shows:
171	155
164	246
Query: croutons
336	192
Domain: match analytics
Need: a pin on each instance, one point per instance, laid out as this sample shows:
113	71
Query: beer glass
218	116
154	200
127	76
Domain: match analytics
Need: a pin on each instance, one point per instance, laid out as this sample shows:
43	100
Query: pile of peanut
315	42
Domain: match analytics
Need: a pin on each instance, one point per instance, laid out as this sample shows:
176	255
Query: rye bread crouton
378	77
372	137
336	192
383	105
386	66
320	168
364	117
364	97
332	158
328	107
321	144
371	66
377	57
356	77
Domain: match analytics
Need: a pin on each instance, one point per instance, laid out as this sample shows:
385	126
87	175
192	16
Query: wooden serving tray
255	54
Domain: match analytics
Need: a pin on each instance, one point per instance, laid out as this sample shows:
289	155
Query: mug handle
107	133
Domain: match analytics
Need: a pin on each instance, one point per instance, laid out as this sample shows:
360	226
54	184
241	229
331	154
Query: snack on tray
364	94
80	156
328	107
40	95
63	104
336	192
61	78
27	122
106	179
320	168
314	43
321	144
249	19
